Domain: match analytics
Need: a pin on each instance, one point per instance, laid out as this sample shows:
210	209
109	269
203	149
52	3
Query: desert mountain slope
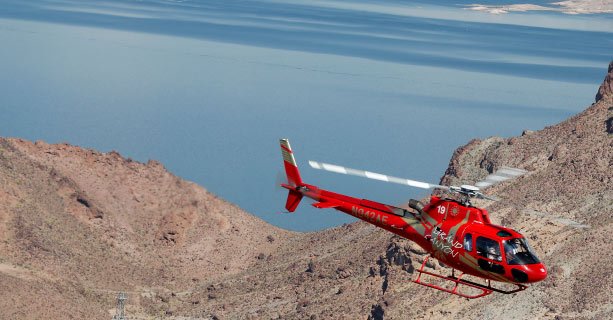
95	223
77	226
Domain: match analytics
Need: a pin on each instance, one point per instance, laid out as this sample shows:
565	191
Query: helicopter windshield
519	252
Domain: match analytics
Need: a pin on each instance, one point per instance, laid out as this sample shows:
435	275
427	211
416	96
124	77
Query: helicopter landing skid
482	289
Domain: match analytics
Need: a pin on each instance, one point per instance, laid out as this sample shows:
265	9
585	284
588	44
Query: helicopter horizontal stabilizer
326	205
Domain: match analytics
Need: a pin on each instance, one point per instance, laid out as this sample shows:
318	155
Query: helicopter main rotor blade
486	197
373	175
502	174
560	220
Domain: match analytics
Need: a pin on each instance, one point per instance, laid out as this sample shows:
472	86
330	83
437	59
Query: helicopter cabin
496	249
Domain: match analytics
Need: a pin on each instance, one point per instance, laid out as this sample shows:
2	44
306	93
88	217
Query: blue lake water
208	87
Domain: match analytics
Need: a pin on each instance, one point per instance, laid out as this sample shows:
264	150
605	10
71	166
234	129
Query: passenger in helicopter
488	248
491	254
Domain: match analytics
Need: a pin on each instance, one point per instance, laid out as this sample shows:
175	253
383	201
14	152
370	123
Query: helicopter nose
537	273
529	273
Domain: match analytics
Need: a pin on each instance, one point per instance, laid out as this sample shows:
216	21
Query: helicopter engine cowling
416	205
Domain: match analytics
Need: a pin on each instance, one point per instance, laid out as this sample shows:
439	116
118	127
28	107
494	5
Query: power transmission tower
121	302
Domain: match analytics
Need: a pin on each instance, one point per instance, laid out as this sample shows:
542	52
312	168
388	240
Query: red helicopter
455	232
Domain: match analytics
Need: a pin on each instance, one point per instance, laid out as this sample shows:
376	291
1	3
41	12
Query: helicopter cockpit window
488	248
519	252
468	242
503	233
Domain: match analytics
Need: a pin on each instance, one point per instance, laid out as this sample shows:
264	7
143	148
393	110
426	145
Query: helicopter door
489	255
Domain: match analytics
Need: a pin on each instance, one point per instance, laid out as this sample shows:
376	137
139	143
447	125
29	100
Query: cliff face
76	226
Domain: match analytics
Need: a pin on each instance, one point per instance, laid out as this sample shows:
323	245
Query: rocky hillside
77	226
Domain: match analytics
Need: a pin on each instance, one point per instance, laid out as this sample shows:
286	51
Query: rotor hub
468	188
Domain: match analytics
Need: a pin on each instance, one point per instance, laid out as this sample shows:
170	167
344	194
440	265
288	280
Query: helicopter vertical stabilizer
293	176
291	168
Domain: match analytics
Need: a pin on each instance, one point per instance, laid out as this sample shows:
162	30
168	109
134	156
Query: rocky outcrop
605	92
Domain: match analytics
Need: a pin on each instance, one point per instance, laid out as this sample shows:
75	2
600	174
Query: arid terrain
567	7
77	226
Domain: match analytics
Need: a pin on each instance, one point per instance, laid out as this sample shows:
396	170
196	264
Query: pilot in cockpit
512	247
